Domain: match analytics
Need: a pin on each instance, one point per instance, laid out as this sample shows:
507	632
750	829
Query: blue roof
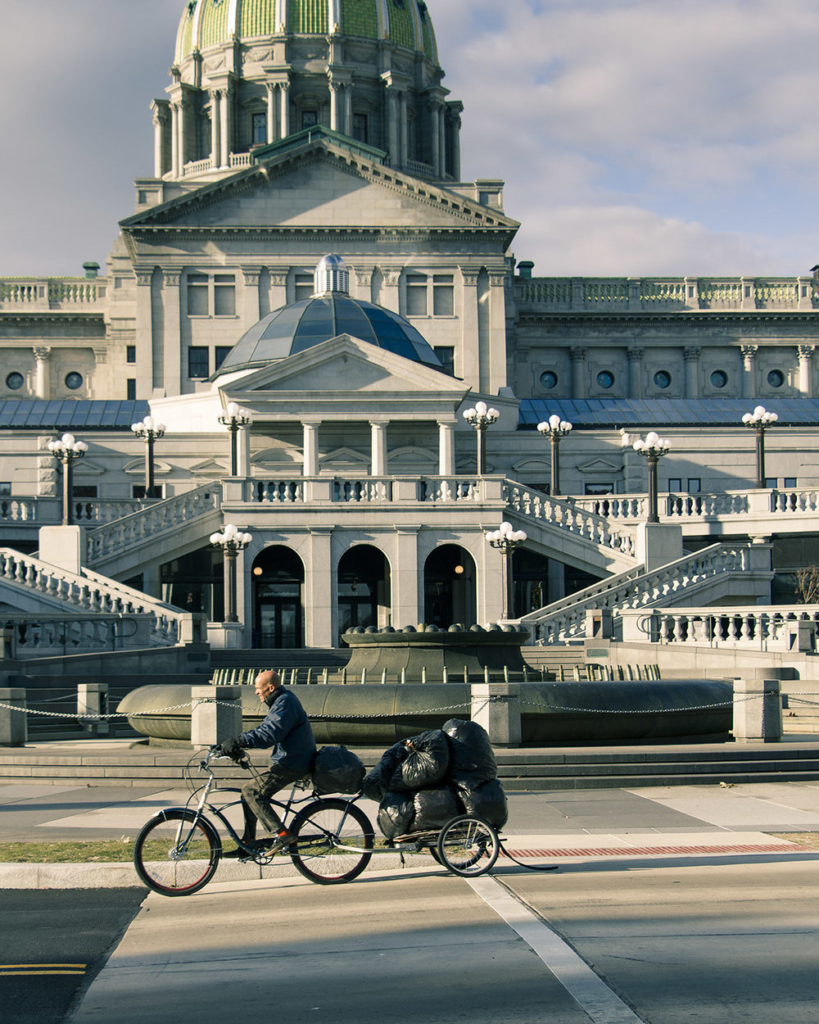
70	415
599	413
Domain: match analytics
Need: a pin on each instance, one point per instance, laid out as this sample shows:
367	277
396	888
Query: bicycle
177	851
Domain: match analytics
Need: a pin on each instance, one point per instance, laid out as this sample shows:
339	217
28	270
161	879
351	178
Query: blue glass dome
295	328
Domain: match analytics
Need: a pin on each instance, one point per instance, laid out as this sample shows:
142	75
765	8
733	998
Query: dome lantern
331	275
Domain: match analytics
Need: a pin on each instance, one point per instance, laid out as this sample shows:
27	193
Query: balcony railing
43	294
756	627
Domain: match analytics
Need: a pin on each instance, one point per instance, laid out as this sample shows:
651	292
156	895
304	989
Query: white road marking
589	991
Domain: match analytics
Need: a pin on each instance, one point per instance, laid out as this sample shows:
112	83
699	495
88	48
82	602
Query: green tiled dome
207	23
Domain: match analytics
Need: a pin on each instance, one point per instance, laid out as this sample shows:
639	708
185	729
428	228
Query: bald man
286	729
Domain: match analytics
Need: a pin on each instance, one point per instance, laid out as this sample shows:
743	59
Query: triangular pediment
341	457
321	184
209	468
599	466
137	467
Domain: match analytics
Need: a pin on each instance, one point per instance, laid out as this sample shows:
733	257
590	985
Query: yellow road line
15	967
34	974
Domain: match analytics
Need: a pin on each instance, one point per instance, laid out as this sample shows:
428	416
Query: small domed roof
329	312
208	23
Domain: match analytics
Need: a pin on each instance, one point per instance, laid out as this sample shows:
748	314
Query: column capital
498	278
805	351
278	277
577	355
634	354
692	354
364	275
42	353
100	354
470	276
251	275
392	278
172	277
143	276
749	351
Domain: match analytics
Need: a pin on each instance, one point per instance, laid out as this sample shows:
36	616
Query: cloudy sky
635	136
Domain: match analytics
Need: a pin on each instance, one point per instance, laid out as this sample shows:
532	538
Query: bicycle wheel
334	841
468	845
176	854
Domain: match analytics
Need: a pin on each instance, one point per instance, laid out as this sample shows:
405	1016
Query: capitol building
308	295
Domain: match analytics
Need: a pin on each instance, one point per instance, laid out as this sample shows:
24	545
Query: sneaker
278	842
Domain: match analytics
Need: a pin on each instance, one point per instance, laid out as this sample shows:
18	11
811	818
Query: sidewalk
558	826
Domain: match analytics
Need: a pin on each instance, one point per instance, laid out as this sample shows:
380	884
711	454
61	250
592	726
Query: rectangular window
130	389
130	354
197	295
259	132
305	286
360	128
416	295
224	295
5	489
84	491
446	353
443	295
220	355
674	484
138	491
772	482
789	481
694	485
198	360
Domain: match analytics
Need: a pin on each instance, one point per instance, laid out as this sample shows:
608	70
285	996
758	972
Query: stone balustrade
640	294
566	619
756	627
40	636
41	294
91	593
18	510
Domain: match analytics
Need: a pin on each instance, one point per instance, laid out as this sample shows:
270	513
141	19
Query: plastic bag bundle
488	801
426	762
338	770
395	814
377	783
434	807
471	758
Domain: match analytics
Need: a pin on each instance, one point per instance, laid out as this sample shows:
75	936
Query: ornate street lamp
150	431
231	541
760	420
507	540
652	449
555	428
67	450
480	418
234	420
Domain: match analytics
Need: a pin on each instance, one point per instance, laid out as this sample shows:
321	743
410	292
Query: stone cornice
55	316
688	317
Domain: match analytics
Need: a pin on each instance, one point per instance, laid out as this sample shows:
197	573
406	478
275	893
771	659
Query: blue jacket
287	730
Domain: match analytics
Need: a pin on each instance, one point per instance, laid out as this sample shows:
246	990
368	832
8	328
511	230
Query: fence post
496	706
92	699
757	711
13	723
212	722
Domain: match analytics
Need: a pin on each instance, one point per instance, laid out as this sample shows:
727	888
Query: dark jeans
256	799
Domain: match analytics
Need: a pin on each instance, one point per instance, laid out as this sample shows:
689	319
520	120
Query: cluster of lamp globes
555	426
481	415
653	444
506	536
148	428
232	539
68	446
241	416
760	417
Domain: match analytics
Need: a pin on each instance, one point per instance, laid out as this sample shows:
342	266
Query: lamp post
149	430
67	450
480	418
555	428
652	449
506	540
235	418
759	420
231	541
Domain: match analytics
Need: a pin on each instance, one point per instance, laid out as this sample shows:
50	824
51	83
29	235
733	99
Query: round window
662	379
15	381
776	378
73	381
548	380
605	379
719	378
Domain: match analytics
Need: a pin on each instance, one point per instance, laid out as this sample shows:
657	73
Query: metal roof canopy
597	413
70	414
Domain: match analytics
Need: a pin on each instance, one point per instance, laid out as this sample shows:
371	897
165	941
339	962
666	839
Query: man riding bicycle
287	730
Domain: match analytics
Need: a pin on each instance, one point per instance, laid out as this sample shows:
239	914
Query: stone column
635	367
243	452
226	128
391	297
271	113
497	331
172	345
403	128
311	448
175	162
160	120
42	377
378	460
320	591
748	374
144	333
334	125
364	282
435	115
456	145
348	109
805	353
407	579
278	287
392	127
284	109
692	365
182	128
442	143
446	448
215	128
252	312
578	358
470	332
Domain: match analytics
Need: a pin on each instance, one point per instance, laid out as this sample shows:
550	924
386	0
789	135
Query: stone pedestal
92	699
757	711
226	635
658	544
496	706
63	547
13	725
216	714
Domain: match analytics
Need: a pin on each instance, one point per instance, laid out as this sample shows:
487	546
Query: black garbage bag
471	758
395	814
338	770
377	782
435	807
488	801
426	762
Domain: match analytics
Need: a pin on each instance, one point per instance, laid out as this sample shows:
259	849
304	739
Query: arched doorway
278	578
449	587
364	591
